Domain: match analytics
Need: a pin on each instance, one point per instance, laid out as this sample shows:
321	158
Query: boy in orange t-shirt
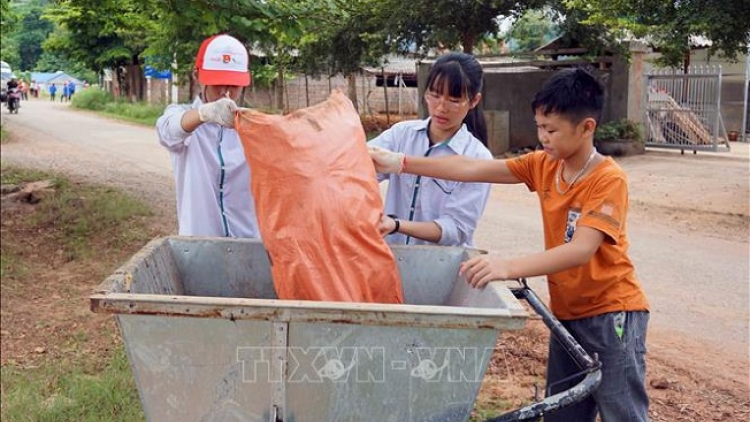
592	283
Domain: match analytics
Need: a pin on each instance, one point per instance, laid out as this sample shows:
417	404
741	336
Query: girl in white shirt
424	210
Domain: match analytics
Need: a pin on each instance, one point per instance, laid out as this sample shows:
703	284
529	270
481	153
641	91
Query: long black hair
461	74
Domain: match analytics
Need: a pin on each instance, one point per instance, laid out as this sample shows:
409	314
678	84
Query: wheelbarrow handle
591	366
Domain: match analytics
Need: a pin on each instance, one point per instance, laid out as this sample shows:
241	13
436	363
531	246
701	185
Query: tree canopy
669	24
532	30
339	36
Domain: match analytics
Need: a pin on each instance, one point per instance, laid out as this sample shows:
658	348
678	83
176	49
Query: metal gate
683	109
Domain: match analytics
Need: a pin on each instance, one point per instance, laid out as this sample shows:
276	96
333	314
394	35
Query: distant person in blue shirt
52	92
71	90
66	92
425	210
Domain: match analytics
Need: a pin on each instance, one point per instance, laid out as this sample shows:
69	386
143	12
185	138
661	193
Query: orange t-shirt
606	283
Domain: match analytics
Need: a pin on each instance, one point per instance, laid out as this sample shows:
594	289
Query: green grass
16	175
104	103
134	112
4	136
79	219
75	214
11	265
67	392
491	408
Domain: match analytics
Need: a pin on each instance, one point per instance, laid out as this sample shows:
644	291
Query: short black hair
572	93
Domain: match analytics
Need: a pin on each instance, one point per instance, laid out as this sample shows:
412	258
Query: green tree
668	24
272	26
103	34
532	30
8	25
342	42
427	24
32	31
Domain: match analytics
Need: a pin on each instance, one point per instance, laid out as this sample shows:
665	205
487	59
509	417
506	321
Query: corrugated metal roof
395	65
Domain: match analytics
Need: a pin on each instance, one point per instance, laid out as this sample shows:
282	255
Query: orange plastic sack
318	204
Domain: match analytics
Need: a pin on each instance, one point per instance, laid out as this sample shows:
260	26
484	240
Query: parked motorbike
14	100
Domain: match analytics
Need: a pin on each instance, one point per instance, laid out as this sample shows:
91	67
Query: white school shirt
455	206
212	178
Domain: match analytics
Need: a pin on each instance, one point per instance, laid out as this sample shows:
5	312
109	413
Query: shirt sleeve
523	167
169	127
606	207
462	213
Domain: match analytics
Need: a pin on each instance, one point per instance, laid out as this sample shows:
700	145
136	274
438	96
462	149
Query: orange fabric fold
318	204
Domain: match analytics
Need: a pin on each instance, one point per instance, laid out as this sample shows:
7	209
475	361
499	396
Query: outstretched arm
457	167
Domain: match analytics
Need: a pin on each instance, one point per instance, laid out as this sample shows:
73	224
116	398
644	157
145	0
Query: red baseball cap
223	60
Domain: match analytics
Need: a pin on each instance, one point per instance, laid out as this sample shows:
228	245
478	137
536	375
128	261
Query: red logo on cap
226	58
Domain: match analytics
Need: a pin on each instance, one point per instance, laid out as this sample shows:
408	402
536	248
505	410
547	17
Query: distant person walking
52	92
23	87
66	92
71	90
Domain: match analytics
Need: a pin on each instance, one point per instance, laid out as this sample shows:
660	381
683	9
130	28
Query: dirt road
689	224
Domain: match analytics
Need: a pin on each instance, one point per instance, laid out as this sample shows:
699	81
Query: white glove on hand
387	161
220	111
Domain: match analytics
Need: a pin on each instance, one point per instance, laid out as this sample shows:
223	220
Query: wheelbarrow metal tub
208	340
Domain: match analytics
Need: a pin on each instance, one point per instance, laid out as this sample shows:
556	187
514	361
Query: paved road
98	149
696	279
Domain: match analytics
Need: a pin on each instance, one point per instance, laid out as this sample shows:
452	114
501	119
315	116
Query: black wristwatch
398	223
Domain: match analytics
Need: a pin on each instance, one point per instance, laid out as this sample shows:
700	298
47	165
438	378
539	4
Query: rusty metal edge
307	311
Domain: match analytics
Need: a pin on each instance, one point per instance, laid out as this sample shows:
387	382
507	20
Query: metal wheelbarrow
209	341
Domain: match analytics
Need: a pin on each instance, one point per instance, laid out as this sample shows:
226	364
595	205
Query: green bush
137	112
97	100
620	130
91	99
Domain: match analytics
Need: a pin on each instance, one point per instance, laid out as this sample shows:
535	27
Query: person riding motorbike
14	96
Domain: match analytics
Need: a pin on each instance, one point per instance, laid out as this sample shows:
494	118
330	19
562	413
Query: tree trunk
307	92
385	94
353	89
137	81
122	84
280	87
468	41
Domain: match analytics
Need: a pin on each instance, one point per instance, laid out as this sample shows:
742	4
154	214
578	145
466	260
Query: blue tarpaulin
150	72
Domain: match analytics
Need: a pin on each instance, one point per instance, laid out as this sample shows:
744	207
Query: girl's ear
475	101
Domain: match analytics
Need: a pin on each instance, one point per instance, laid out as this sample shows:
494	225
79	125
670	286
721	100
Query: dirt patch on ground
517	372
44	301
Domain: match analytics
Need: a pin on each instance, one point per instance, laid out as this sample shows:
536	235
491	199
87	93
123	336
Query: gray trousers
619	340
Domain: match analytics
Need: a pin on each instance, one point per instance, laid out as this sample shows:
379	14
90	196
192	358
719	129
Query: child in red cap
212	178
